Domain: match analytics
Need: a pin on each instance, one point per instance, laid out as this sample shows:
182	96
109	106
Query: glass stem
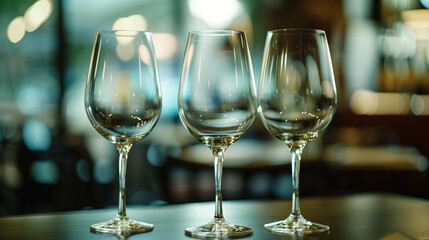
296	152
123	157
218	168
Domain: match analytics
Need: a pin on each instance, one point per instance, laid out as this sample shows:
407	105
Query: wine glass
123	103
217	105
296	101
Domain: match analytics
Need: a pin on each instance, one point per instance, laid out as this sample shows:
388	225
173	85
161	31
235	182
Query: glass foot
295	224
121	226
218	227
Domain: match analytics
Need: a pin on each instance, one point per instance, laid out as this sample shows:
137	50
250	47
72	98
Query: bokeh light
16	30
216	13
83	170
282	186
45	172
125	51
104	171
367	102
165	45
37	14
144	54
36	135
134	22
31	98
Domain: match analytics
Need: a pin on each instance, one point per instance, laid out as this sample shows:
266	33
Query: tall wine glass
123	103
297	99
217	105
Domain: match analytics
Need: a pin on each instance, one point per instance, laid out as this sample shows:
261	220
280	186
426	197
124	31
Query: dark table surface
363	216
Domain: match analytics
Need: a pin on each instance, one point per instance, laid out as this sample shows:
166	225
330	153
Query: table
362	216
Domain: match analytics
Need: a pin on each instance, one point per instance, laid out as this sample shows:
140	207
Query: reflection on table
365	216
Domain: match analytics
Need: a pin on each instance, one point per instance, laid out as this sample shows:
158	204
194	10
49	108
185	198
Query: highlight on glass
297	99
123	103
217	105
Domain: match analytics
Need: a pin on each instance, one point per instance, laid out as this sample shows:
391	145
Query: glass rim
123	32
216	32
298	31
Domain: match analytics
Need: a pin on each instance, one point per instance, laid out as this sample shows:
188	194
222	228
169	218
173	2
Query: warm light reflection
216	13
125	51
418	21
165	45
33	18
328	89
16	30
145	55
37	14
393	157
314	76
134	22
366	102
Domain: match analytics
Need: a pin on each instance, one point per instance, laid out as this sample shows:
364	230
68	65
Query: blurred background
51	159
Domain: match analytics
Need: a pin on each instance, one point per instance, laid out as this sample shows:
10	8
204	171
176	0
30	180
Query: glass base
121	226
295	224
217	228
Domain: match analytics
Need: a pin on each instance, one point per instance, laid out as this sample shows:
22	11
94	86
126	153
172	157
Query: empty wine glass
123	103
217	105
296	101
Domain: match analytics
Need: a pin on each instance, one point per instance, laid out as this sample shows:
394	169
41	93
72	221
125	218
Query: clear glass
217	105
123	103
297	100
